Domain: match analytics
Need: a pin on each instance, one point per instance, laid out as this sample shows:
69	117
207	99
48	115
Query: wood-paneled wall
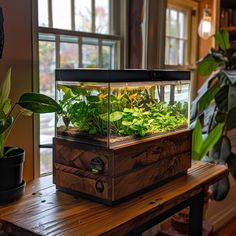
18	55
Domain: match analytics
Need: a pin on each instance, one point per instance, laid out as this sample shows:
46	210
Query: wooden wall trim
136	16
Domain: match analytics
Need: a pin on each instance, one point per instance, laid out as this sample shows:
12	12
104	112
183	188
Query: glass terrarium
116	107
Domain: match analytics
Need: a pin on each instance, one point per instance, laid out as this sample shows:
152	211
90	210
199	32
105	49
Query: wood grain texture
82	181
127	170
150	175
45	211
148	153
79	155
135	39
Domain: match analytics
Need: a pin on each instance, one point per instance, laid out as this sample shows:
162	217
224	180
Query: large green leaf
207	65
5	124
39	103
115	116
7	106
206	99
231	119
197	141
221	150
228	76
232	97
232	165
201	93
222	38
211	140
5	88
221	98
220	189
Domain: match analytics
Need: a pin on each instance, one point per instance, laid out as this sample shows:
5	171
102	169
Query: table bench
45	211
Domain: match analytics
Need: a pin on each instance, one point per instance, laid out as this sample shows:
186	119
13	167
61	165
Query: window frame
116	35
191	8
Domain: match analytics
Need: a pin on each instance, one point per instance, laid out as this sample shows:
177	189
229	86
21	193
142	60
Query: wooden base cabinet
113	175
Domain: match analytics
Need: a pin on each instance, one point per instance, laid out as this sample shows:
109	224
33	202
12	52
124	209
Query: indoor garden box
121	132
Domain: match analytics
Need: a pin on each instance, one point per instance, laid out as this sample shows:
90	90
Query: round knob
97	166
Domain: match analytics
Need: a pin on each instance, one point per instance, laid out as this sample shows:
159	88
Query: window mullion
58	51
50	20
80	52
100	59
73	14
177	40
93	16
111	23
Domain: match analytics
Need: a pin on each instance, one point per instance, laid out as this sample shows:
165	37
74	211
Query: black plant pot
11	171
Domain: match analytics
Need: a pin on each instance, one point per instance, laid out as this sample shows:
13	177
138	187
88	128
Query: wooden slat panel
137	180
143	154
75	154
51	212
82	181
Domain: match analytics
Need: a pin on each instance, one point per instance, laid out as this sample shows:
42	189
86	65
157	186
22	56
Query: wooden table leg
196	214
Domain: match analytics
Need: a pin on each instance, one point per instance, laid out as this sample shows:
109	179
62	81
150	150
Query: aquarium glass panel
139	110
85	111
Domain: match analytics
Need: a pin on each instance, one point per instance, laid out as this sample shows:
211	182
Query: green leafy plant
133	111
213	112
29	103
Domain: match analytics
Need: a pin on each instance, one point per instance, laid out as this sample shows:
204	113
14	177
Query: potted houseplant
213	112
213	115
11	158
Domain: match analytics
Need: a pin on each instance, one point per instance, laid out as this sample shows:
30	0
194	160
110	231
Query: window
71	34
180	37
176	36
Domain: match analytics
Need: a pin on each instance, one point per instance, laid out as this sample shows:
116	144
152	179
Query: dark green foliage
218	91
39	103
29	102
132	112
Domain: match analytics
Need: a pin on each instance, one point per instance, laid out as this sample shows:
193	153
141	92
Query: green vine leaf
222	38
38	103
206	99
232	165
197	141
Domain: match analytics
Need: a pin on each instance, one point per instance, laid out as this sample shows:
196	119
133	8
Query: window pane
167	22
173	22
47	128
83	15
47	86
90	53
45	160
181	25
172	52
181	52
61	10
46	67
106	57
69	54
102	16
43	12
167	51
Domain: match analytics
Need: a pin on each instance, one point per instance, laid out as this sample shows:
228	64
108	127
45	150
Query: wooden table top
45	211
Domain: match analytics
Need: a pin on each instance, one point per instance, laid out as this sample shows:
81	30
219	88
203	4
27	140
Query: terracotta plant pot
11	171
